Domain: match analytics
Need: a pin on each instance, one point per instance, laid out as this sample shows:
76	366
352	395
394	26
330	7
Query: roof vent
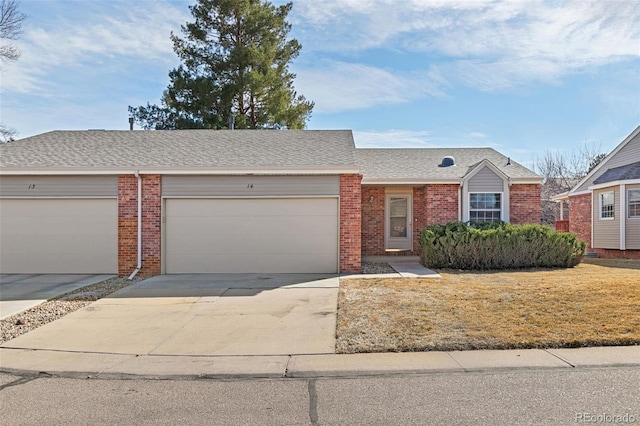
447	161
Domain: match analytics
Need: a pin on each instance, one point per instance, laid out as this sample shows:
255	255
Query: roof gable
626	172
616	158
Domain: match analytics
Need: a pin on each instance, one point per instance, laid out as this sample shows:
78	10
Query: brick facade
432	204
616	254
580	217
524	204
128	224
373	220
350	223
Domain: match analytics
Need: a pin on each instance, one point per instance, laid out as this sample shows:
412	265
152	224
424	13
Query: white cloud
396	138
393	139
341	86
100	35
492	45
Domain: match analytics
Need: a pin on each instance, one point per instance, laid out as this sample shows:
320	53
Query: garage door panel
251	235
230	263
239	207
52	244
58	236
254	226
258	245
57	226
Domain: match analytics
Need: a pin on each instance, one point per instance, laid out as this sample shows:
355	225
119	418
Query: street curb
175	367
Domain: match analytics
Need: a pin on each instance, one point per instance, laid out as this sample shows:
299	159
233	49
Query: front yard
596	303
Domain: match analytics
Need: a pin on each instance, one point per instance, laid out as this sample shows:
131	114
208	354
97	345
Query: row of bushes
498	245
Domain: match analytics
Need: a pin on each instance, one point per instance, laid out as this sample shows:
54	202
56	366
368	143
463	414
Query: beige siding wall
486	181
250	186
627	155
632	229
58	186
606	232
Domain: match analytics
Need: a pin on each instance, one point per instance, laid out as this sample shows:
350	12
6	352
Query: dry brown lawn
594	304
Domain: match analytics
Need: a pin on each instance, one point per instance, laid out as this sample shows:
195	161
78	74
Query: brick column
350	223
525	204
128	224
580	217
373	221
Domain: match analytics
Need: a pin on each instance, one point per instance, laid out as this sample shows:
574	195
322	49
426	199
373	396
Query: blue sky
519	76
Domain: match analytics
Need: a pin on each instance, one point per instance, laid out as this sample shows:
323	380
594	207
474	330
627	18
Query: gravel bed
53	309
377	268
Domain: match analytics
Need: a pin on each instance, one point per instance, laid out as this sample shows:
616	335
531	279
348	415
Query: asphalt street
532	397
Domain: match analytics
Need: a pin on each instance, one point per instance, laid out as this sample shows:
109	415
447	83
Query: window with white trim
485	207
607	206
633	209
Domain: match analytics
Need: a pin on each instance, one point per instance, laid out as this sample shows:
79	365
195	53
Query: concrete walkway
109	365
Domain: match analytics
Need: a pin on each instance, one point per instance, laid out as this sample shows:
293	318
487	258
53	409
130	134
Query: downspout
460	202
133	274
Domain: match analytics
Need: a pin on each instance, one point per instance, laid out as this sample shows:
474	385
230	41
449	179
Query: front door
398	222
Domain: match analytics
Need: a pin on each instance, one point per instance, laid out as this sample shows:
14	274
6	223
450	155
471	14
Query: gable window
485	207
634	203
607	207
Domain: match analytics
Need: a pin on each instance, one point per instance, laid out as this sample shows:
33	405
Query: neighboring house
604	207
405	190
198	201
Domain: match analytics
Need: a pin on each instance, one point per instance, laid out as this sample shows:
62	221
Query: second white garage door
292	235
53	236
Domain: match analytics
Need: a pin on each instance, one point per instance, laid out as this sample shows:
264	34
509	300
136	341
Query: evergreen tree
235	63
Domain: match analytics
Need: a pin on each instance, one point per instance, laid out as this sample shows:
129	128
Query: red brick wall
432	204
616	254
580	217
128	224
441	204
373	220
524	204
350	223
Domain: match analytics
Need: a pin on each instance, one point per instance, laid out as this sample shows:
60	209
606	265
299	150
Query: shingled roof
305	150
414	165
626	172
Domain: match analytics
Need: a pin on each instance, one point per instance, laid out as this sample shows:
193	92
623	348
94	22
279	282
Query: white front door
398	222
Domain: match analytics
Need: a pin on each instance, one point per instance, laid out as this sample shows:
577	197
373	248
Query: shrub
498	245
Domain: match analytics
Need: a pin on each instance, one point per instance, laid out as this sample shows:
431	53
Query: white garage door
251	235
58	236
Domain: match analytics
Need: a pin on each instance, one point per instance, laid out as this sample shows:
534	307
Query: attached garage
269	224
58	224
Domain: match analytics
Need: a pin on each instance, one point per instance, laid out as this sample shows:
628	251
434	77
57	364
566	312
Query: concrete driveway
209	314
23	291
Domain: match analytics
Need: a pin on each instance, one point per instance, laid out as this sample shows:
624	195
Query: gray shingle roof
247	149
626	172
421	164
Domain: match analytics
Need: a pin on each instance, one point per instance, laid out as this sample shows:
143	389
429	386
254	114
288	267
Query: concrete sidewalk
109	365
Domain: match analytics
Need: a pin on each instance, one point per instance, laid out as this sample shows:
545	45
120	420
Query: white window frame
629	203
500	210
601	205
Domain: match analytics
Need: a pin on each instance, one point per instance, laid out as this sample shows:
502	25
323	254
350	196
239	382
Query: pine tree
235	63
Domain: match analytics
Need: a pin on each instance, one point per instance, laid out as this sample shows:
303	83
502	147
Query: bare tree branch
7	134
561	172
10	28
